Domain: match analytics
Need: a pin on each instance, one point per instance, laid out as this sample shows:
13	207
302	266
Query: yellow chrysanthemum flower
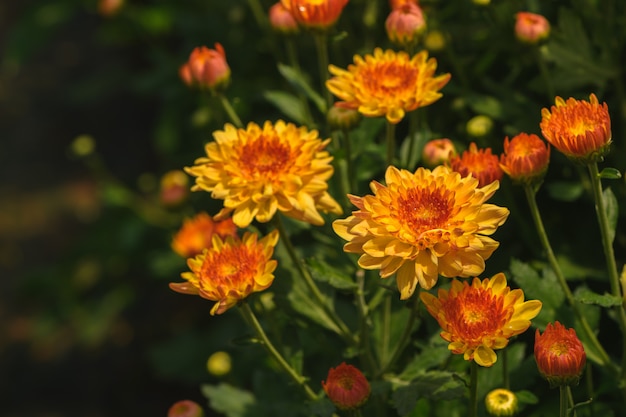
257	171
479	318
421	225
387	83
501	402
230	270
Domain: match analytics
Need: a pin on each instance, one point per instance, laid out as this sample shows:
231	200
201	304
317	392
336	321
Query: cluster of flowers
416	226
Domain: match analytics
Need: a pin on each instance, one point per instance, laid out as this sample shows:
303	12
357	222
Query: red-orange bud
559	354
346	387
206	68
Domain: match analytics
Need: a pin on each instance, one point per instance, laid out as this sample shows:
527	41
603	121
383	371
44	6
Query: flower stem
259	14
391	142
230	111
344	331
543	237
564	400
299	379
541	63
321	45
607	244
292	56
347	146
506	382
473	397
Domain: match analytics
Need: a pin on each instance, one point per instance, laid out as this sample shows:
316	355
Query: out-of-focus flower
260	170
394	4
219	363
185	408
434	40
479	126
531	27
341	118
109	8
387	83
579	129
230	270
282	20
559	354
83	145
525	158
346	387
174	188
422	225
438	152
196	234
315	14
206	69
405	24
477	319
481	2
479	163
501	402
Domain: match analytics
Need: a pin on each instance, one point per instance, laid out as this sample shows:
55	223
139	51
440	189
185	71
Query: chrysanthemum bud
315	14
501	403
525	158
480	163
346	387
479	126
438	152
343	118
174	188
219	363
405	24
394	4
434	40
206	69
185	408
531	27
559	354
282	21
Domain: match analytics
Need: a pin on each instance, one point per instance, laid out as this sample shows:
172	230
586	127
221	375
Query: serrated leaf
430	357
586	296
610	174
612	211
324	272
288	104
436	385
228	400
296	79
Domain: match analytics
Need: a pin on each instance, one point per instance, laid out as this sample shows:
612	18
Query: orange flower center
474	313
385	79
265	158
422	210
346	382
230	267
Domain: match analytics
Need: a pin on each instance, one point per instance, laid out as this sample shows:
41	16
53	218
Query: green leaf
287	103
228	400
610	174
430	357
436	385
296	79
612	211
323	408
564	190
324	272
301	301
526	397
586	296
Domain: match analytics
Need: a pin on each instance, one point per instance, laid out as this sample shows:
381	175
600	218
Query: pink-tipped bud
405	24
531	27
282	21
438	152
185	408
206	68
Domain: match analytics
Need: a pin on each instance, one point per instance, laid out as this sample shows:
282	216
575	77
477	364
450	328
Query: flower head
531	27
109	8
206	68
477	319
282	20
387	83
346	387
196	234
405	24
230	270
480	163
421	225
315	14
174	188
559	354
579	129
394	4
259	170
525	158
501	402
479	126
437	152
185	408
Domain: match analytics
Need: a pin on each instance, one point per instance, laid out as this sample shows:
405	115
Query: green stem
473	397
321	45
541	63
344	331
230	111
347	146
570	401
391	142
607	244
366	347
292	56
299	379
543	237
563	401
413	122
259	14
386	330
506	382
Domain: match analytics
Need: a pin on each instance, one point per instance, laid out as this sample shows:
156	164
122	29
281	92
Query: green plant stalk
259	14
506	382
366	347
564	400
545	242
292	56
299	379
544	73
321	46
609	255
391	142
413	123
386	330
570	401
230	111
347	146
473	394
308	279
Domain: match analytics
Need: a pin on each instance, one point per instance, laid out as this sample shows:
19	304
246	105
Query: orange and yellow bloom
579	129
206	69
559	354
479	318
230	270
422	225
387	83
346	387
260	170
480	163
196	234
525	158
315	14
